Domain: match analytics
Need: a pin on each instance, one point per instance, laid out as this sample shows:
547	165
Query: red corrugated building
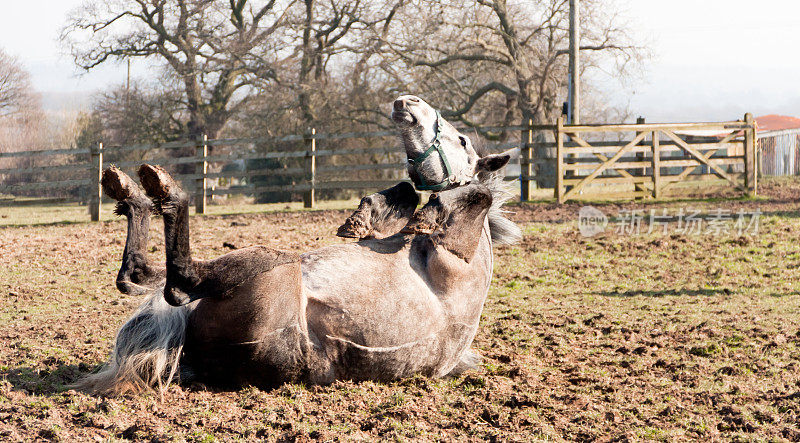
778	143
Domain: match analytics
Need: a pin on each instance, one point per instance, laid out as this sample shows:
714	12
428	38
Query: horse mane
479	146
503	230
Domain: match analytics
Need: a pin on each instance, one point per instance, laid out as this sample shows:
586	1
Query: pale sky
714	59
717	59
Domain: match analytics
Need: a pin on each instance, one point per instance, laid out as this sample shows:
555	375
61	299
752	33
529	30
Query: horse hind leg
189	279
173	204
137	275
382	214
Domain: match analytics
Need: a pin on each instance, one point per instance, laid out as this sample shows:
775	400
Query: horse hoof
117	185
129	288
353	228
416	227
161	187
176	297
155	181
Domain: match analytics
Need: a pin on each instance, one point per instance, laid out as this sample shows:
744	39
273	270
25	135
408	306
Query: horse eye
463	141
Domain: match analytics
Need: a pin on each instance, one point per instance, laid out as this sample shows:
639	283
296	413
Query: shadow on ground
43	381
667	293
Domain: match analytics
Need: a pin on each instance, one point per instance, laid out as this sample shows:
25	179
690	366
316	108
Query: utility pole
574	63
128	88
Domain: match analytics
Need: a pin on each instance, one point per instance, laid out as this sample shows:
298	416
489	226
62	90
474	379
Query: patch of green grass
709	350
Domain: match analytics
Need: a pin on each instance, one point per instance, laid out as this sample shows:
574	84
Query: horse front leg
382	214
137	275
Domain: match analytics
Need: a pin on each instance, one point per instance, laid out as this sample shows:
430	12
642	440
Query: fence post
760	159
201	170
656	165
559	191
640	155
310	143
640	158
95	172
526	159
750	175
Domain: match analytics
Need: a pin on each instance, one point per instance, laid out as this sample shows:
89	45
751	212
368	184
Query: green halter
435	146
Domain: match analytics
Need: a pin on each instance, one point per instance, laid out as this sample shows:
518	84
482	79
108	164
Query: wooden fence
647	162
654	159
299	158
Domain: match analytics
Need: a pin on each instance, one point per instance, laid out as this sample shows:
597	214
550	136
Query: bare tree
222	53
216	50
23	125
332	35
502	60
138	114
16	92
329	40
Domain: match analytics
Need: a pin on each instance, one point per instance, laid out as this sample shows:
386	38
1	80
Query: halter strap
436	145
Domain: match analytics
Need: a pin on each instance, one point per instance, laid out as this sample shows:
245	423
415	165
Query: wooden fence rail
647	161
306	176
578	161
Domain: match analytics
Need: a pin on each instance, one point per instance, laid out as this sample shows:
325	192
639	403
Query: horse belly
371	299
432	356
258	335
374	317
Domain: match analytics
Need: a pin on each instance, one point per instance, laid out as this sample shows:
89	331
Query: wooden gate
656	158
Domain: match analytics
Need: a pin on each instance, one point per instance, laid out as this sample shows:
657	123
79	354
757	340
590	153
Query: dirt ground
624	336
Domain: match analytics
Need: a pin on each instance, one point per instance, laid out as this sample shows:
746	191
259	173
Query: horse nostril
399	104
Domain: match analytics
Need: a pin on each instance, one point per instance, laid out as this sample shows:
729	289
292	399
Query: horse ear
493	162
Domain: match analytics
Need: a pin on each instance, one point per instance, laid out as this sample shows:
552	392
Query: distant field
32	213
639	337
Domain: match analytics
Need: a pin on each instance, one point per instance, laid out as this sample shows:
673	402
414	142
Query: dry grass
647	337
30	213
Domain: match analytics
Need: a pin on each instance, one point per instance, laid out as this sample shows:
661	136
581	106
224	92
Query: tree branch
460	57
493	86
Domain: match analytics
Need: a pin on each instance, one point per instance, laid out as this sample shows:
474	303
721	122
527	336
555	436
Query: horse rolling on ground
405	299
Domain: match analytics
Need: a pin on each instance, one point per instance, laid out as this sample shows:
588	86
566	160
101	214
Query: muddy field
624	336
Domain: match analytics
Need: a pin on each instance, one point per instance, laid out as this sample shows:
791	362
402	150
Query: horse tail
147	350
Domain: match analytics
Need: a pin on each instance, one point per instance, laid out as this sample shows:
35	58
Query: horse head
439	157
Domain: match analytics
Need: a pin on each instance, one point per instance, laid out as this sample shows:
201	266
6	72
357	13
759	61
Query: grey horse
404	299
